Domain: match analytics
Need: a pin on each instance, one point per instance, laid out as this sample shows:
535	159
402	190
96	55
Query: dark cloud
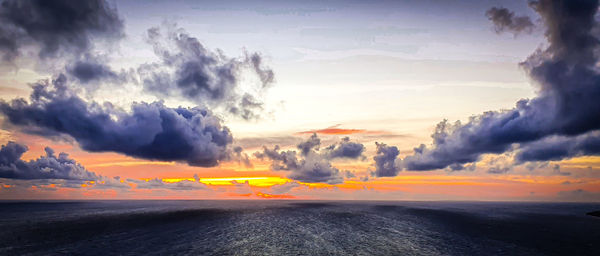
556	148
93	69
191	71
310	165
150	130
506	21
567	104
50	166
345	149
385	161
55	28
309	145
90	71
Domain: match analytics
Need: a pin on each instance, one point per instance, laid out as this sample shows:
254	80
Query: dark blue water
297	228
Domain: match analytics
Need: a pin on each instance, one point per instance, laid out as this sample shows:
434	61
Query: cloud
150	130
257	142
241	157
92	70
506	21
55	28
567	103
345	149
284	188
385	161
50	166
189	70
311	164
334	130
157	183
309	145
555	148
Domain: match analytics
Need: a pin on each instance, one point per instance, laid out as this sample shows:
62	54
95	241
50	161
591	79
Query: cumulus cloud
506	21
309	145
311	164
556	148
385	161
346	149
55	28
49	166
191	71
150	130
567	103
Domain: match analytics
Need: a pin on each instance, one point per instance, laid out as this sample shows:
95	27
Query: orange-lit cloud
334	130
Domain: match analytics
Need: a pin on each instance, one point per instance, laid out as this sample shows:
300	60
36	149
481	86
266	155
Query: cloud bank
149	131
311	164
50	166
567	104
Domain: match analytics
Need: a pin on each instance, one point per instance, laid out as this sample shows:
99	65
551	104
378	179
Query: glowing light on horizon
227	181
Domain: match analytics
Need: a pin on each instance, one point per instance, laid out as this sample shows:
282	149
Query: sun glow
225	181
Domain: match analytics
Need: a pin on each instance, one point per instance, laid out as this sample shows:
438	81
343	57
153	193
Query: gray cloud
385	161
279	189
309	145
56	28
89	70
345	149
157	183
506	21
50	166
556	148
241	157
310	165
191	71
150	131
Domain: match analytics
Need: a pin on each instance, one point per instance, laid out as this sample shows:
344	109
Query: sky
333	100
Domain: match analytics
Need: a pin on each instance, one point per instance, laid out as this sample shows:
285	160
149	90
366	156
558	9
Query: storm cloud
567	103
150	130
49	166
310	164
55	28
506	21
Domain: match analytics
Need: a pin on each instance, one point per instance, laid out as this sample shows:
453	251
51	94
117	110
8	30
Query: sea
291	227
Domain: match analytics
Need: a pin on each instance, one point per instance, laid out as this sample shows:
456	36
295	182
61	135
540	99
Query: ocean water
297	228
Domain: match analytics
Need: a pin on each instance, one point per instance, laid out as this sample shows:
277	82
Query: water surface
297	228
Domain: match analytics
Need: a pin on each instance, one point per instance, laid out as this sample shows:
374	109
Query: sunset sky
368	100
